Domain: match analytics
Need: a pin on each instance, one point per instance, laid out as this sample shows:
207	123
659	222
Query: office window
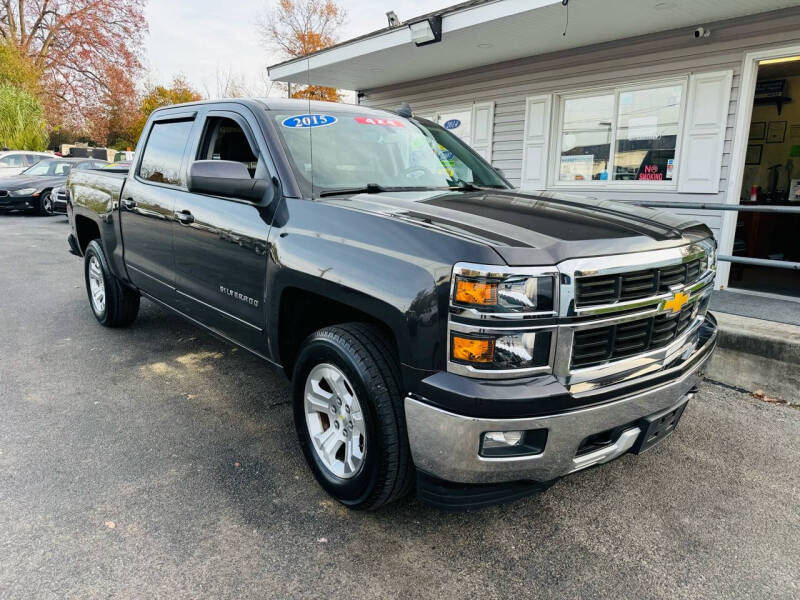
621	135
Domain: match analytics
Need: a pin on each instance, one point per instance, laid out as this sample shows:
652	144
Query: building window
621	135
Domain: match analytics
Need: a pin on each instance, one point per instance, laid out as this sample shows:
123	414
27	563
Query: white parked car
14	162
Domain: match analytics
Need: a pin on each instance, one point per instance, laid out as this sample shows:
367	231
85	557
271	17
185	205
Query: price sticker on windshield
379	121
302	121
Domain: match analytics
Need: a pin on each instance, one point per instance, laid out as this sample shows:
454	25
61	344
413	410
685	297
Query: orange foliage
86	50
300	27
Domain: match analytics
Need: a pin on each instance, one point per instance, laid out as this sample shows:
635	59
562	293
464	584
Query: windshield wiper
373	188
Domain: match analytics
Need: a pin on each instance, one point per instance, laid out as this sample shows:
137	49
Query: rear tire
113	304
353	366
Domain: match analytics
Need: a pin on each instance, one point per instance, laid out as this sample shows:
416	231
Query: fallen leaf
759	394
110	524
236	464
323	540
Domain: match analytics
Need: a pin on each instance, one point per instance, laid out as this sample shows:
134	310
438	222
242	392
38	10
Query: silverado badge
676	303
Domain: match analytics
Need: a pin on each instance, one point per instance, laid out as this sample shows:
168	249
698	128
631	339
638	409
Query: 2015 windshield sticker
379	121
301	121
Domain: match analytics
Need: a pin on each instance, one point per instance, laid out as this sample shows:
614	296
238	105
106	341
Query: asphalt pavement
159	462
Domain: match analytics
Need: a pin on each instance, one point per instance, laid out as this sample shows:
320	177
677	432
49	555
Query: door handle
129	203
185	217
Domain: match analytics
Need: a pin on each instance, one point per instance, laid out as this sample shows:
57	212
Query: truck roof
295	104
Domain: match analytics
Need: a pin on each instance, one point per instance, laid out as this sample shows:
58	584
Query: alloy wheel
97	286
335	421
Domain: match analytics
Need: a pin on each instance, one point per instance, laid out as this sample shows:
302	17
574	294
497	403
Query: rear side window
12	160
163	154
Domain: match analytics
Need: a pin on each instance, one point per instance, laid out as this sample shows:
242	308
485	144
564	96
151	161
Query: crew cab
440	329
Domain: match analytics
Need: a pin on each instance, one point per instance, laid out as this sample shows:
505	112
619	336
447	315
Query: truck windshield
346	150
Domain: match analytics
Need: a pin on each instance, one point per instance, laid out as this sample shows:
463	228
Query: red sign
379	121
650	173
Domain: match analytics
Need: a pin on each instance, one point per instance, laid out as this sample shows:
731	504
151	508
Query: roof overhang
481	32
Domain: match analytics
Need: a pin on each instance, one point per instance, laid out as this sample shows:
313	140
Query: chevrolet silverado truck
440	329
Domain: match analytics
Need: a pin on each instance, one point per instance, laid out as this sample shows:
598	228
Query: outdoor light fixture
426	32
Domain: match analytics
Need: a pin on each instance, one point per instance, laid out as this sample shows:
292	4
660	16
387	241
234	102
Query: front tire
113	304
45	207
349	415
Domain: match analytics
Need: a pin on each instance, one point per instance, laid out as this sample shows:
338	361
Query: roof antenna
310	129
405	110
565	4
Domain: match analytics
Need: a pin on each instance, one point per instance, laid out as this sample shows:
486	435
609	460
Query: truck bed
96	189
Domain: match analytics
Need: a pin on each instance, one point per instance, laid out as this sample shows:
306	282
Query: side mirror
229	179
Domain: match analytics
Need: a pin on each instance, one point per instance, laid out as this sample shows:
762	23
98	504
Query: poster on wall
753	156
776	132
758	130
577	167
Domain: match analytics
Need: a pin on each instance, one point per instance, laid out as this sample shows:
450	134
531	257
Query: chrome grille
603	344
609	289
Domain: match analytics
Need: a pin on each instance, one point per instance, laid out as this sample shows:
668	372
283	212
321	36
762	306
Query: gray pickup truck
441	330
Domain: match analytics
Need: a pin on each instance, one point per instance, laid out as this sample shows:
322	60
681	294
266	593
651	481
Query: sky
208	40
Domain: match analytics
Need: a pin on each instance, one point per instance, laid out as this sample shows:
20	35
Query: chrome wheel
335	421
47	204
97	286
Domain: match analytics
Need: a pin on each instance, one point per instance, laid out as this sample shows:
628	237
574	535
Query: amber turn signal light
476	292
472	350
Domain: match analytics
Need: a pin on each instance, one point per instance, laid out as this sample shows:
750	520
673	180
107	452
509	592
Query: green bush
22	124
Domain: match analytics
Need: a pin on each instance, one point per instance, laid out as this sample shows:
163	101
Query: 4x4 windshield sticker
300	121
379	121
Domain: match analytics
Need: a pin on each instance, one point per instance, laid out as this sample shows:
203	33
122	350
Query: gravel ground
158	462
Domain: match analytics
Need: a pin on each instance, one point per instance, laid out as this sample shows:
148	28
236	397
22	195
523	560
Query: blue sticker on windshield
300	121
452	124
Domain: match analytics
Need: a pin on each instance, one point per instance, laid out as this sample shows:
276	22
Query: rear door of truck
157	180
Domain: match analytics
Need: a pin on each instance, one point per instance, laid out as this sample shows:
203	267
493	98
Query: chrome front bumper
446	445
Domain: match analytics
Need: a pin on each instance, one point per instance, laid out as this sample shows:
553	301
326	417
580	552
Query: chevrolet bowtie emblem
676	303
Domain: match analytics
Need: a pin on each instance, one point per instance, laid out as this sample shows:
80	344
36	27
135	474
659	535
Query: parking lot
157	461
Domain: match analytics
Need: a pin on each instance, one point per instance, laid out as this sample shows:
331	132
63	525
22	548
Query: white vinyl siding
668	55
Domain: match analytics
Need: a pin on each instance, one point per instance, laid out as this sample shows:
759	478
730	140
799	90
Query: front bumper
17	202
445	445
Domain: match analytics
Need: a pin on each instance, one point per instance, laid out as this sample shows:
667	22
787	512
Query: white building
636	100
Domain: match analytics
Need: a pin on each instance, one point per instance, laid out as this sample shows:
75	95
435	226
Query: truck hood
528	229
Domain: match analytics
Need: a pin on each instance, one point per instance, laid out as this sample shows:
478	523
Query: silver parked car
14	162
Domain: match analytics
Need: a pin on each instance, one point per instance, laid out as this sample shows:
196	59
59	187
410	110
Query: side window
12	160
163	153
62	169
224	139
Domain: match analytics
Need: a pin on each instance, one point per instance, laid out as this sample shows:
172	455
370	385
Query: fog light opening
500	444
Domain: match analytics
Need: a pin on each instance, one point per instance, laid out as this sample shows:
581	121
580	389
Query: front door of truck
147	206
220	244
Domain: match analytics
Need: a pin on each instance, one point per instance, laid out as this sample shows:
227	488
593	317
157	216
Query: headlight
503	293
712	249
501	351
23	192
498	324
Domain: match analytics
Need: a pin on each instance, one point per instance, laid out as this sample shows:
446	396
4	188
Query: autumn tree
177	92
73	44
297	28
18	70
